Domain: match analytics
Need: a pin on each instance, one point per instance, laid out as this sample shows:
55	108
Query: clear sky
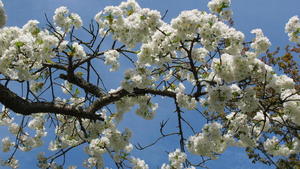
269	15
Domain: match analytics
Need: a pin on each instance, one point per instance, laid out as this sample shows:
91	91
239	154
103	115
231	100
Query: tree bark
21	106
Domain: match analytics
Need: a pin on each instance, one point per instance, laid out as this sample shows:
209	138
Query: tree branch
24	107
116	96
83	84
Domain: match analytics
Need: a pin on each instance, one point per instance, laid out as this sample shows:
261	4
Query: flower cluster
138	163
218	96
128	22
184	100
78	51
210	142
234	68
293	29
24	50
28	142
2	15
162	41
196	57
112	58
240	128
176	159
12	163
146	108
218	6
291	105
199	54
137	78
111	140
6	144
65	20
274	147
281	83
261	43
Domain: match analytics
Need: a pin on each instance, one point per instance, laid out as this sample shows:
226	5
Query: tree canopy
247	94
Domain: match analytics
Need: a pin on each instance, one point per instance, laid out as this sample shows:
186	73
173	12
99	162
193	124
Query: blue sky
270	16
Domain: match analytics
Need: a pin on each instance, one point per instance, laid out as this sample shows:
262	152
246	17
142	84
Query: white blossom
2	15
293	29
37	123
78	51
196	57
14	128
128	22
218	5
176	159
138	163
261	43
99	145
112	58
12	163
65	20
274	147
208	143
6	144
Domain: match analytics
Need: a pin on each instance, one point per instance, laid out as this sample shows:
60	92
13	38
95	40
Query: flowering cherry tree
198	61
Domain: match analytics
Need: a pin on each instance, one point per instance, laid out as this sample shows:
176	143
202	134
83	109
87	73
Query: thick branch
116	96
24	107
57	66
83	84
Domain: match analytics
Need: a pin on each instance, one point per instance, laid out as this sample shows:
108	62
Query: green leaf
173	86
19	44
126	77
290	145
80	74
235	94
39	41
222	98
130	12
110	18
36	31
77	92
227	42
205	75
168	34
49	61
224	5
143	17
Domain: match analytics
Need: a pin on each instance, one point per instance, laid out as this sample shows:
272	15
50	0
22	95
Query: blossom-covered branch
24	107
199	62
